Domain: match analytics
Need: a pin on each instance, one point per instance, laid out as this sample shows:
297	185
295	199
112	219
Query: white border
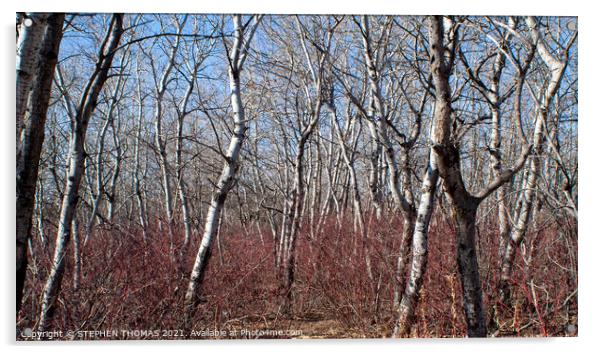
471	7
589	135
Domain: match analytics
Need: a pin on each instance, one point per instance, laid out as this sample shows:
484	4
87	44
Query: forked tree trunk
409	300
464	205
161	141
237	56
75	169
182	192
30	142
557	68
448	161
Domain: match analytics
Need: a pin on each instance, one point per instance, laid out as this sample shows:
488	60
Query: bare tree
137	173
115	96
198	55
243	35
161	86
543	102
448	162
79	127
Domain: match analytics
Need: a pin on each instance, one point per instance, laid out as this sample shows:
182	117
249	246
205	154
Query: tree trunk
237	57
30	143
464	205
31	31
468	266
75	169
291	232
557	68
161	140
409	223
136	175
374	177
111	194
182	113
77	258
225	183
409	301
99	176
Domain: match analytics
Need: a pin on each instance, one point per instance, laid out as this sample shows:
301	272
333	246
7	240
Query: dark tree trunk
30	144
468	265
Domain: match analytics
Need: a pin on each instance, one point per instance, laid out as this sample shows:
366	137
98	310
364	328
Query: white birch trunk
77	258
237	57
409	300
99	178
136	175
75	169
161	140
31	37
557	68
182	113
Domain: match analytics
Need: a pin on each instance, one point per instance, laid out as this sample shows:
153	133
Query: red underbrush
127	284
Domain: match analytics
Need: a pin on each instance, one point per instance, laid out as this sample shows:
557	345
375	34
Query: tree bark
99	175
31	32
31	140
77	258
237	58
111	194
464	205
557	68
161	140
136	175
402	194
182	192
75	169
409	301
